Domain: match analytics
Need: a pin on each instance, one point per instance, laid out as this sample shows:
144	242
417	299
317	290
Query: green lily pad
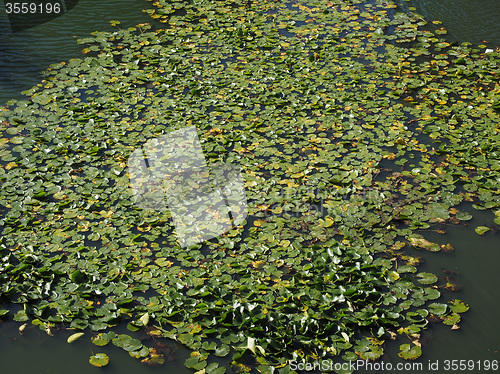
214	368
196	363
127	343
78	276
99	340
463	216
222	351
424	243
438	309
432	294
99	360
143	352
407	269
427	278
75	336
452	319
482	229
409	351
155	358
458	306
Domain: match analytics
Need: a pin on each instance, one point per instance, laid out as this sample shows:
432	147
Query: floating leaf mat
355	126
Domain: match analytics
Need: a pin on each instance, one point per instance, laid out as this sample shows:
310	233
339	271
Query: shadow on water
23	16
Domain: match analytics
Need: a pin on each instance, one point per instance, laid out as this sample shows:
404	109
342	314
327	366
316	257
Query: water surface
473	21
25	54
475	259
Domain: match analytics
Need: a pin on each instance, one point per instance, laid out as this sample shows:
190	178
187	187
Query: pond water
475	262
36	352
475	259
25	54
470	21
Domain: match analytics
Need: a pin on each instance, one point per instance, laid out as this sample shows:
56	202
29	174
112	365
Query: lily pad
127	343
452	319
432	294
458	306
99	340
438	309
99	360
482	229
424	243
463	216
427	278
155	358
222	351
75	336
409	351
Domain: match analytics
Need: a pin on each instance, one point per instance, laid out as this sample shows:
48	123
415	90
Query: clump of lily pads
355	128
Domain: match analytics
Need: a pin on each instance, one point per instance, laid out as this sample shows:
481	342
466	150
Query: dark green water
475	259
25	54
36	352
22	57
474	21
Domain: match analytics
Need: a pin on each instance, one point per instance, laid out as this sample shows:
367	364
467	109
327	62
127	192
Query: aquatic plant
355	127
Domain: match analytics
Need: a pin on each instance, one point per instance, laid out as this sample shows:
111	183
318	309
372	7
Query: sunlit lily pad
99	360
409	351
99	340
482	229
452	319
432	294
75	336
427	278
458	306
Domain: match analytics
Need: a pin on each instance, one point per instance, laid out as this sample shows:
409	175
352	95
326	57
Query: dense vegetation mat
355	127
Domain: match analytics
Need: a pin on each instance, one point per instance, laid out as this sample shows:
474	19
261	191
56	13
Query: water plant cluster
318	102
